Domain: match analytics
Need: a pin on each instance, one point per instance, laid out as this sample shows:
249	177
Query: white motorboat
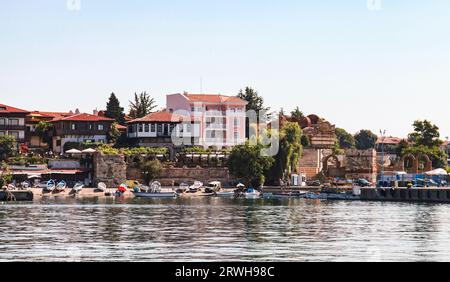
288	195
155	195
154	191
195	187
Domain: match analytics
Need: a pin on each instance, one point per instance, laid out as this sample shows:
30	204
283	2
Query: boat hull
155	195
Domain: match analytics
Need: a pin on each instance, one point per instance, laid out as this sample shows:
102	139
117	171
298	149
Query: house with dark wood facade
12	122
80	128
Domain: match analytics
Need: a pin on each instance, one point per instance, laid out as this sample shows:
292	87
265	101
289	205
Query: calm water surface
223	230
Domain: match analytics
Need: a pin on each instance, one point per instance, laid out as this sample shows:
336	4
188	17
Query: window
141	128
130	129
153	127
2	121
236	135
101	127
90	126
160	128
13	122
2	133
236	122
73	126
147	127
188	127
14	134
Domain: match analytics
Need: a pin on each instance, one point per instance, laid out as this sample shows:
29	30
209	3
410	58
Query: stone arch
325	163
428	163
413	160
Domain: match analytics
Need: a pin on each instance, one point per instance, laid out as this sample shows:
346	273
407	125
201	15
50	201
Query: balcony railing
12	127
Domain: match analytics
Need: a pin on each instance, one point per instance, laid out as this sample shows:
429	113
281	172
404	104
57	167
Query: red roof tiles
11	110
82	117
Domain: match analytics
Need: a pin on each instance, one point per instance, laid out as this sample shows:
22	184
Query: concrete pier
406	194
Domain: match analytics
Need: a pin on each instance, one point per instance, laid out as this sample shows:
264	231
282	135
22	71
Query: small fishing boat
224	194
213	187
251	193
155	192
25	185
194	188
101	186
50	186
182	188
62	185
78	187
288	195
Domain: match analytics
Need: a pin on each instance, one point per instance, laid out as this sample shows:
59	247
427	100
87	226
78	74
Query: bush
108	150
7	147
150	169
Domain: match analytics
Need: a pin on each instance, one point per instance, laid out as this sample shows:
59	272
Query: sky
360	65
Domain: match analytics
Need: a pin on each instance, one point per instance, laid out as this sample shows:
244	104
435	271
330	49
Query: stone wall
110	169
361	164
173	175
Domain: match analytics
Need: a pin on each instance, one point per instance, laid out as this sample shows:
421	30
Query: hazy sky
355	66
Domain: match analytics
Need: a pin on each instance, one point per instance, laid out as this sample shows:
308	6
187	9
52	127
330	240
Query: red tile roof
390	140
159	117
11	110
56	114
82	117
214	98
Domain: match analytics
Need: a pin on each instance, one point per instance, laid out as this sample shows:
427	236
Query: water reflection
223	229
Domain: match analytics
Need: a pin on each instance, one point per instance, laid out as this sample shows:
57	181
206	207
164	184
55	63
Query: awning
73	151
89	151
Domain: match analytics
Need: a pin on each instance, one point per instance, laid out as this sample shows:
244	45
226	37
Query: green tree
114	110
114	134
5	174
345	140
403	145
142	105
365	139
43	130
7	147
425	140
255	103
297	114
306	142
246	162
425	133
290	151
151	169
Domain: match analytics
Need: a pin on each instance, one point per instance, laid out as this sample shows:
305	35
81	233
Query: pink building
222	118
